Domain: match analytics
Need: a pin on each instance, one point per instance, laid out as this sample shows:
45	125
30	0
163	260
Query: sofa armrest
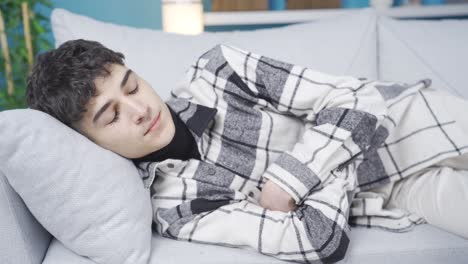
23	239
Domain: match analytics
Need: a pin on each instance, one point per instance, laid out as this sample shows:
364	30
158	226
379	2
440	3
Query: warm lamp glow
182	16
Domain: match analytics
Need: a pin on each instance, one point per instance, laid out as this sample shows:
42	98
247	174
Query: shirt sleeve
341	115
316	232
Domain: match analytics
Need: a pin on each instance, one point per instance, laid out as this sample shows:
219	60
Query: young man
255	152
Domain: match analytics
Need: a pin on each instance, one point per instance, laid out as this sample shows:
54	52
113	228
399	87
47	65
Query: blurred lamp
182	16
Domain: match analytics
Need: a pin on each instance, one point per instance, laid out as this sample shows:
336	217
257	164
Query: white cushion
89	198
424	244
412	50
344	45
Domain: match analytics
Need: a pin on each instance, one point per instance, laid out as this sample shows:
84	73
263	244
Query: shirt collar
195	116
197	119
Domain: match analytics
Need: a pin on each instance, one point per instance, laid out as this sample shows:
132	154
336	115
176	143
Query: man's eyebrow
125	78
107	104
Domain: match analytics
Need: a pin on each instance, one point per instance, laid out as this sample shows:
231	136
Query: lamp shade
182	16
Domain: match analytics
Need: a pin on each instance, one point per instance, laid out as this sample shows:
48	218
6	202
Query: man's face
122	117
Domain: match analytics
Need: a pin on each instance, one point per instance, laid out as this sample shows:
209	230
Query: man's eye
116	117
134	91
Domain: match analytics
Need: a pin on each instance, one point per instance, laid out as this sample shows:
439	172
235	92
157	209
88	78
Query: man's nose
139	111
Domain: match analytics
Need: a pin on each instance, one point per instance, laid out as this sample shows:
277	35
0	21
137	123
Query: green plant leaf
40	16
39	29
24	52
11	10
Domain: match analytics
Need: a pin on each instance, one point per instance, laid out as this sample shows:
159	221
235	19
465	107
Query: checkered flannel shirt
324	139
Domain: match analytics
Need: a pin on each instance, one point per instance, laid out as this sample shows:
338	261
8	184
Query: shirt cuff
293	176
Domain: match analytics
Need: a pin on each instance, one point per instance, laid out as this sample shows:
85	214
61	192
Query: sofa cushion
89	198
413	50
424	244
344	45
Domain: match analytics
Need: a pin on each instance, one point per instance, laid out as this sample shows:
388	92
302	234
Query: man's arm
341	113
313	233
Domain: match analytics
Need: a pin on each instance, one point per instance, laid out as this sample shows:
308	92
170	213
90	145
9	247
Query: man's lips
153	123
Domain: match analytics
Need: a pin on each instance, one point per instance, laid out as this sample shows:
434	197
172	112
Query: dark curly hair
61	82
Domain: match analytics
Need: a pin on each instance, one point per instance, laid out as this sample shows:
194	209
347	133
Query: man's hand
275	198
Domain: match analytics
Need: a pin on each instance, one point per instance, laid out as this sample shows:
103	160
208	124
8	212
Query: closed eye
116	117
134	90
117	113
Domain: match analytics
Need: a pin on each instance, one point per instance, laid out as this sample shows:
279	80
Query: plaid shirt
329	141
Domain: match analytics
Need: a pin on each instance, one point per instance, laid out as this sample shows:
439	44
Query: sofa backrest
342	45
410	50
23	239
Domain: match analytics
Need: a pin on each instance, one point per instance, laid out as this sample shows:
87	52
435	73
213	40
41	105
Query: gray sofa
403	50
25	241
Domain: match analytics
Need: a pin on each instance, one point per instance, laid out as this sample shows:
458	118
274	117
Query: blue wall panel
137	13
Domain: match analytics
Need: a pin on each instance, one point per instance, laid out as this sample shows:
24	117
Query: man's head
88	88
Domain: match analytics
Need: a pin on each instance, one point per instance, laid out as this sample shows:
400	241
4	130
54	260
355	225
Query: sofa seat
424	244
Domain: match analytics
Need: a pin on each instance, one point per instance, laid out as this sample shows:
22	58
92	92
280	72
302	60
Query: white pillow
413	50
89	198
345	45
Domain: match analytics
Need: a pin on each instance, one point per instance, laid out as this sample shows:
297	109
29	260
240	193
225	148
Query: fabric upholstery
424	244
91	199
23	239
411	50
162	58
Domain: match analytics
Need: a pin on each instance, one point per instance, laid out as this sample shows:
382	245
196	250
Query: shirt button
170	165
251	194
211	171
